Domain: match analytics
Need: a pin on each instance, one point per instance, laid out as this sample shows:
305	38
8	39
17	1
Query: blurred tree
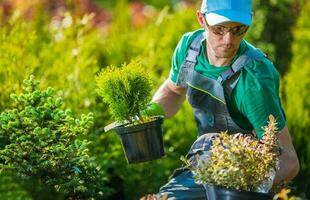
297	104
271	29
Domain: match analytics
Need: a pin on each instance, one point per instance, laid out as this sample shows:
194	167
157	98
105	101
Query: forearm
289	164
288	167
170	97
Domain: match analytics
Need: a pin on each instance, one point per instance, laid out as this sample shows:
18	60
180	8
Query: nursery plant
127	90
43	146
240	161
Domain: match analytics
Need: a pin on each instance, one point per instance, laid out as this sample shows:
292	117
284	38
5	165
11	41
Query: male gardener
229	83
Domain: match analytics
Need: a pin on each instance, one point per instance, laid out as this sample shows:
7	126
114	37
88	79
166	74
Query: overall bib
208	99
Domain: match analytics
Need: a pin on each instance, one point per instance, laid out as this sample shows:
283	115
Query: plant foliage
42	144
239	161
126	90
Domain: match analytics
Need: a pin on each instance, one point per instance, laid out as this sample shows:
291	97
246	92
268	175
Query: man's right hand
153	109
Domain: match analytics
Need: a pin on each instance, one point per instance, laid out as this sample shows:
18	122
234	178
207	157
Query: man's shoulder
260	65
259	73
193	34
180	52
188	37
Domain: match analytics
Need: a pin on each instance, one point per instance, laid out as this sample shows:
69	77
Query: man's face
224	40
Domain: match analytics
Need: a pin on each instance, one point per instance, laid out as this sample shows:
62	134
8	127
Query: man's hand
153	109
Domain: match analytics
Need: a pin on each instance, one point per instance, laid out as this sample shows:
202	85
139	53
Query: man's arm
289	164
170	97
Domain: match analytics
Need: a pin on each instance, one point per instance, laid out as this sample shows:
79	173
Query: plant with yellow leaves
239	161
154	197
284	195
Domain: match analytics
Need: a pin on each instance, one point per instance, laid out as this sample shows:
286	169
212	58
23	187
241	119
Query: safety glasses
222	30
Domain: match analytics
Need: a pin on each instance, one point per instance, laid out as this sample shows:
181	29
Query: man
229	83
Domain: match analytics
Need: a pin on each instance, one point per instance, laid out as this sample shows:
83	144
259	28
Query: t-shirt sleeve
262	100
178	58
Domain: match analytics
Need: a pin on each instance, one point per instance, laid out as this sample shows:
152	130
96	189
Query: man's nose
228	38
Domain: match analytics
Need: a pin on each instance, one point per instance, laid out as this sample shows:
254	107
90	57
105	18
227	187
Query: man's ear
201	19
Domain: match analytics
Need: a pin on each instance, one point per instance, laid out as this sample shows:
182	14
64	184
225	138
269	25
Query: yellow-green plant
126	90
239	161
284	195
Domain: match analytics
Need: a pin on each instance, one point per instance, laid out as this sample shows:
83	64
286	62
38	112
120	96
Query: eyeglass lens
222	30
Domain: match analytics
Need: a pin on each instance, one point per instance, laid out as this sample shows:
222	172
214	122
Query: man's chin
225	55
226	52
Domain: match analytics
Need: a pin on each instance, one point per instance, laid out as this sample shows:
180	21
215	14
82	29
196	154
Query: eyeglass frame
228	29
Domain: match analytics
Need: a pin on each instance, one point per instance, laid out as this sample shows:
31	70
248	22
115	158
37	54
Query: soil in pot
142	142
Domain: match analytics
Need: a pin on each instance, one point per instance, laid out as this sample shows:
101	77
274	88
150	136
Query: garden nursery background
65	43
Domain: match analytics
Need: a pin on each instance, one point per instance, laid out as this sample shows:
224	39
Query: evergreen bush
126	90
43	145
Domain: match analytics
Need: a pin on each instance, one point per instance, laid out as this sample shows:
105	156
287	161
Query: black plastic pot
142	142
221	193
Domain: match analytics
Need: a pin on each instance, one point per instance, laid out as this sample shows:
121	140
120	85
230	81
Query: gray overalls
208	99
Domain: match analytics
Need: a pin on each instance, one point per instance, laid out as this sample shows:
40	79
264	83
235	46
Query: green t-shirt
256	94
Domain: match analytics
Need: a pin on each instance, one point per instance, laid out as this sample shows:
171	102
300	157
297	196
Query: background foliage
65	47
296	91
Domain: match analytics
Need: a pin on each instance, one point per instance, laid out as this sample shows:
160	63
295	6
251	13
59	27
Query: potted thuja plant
238	166
127	91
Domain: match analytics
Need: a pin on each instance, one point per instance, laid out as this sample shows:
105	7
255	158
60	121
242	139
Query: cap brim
222	16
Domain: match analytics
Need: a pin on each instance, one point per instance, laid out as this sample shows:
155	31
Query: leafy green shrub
63	54
126	90
239	161
43	145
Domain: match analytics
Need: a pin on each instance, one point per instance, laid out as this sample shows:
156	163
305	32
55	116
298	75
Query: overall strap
240	62
190	60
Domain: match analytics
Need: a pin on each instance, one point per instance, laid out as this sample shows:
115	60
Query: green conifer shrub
43	146
126	90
